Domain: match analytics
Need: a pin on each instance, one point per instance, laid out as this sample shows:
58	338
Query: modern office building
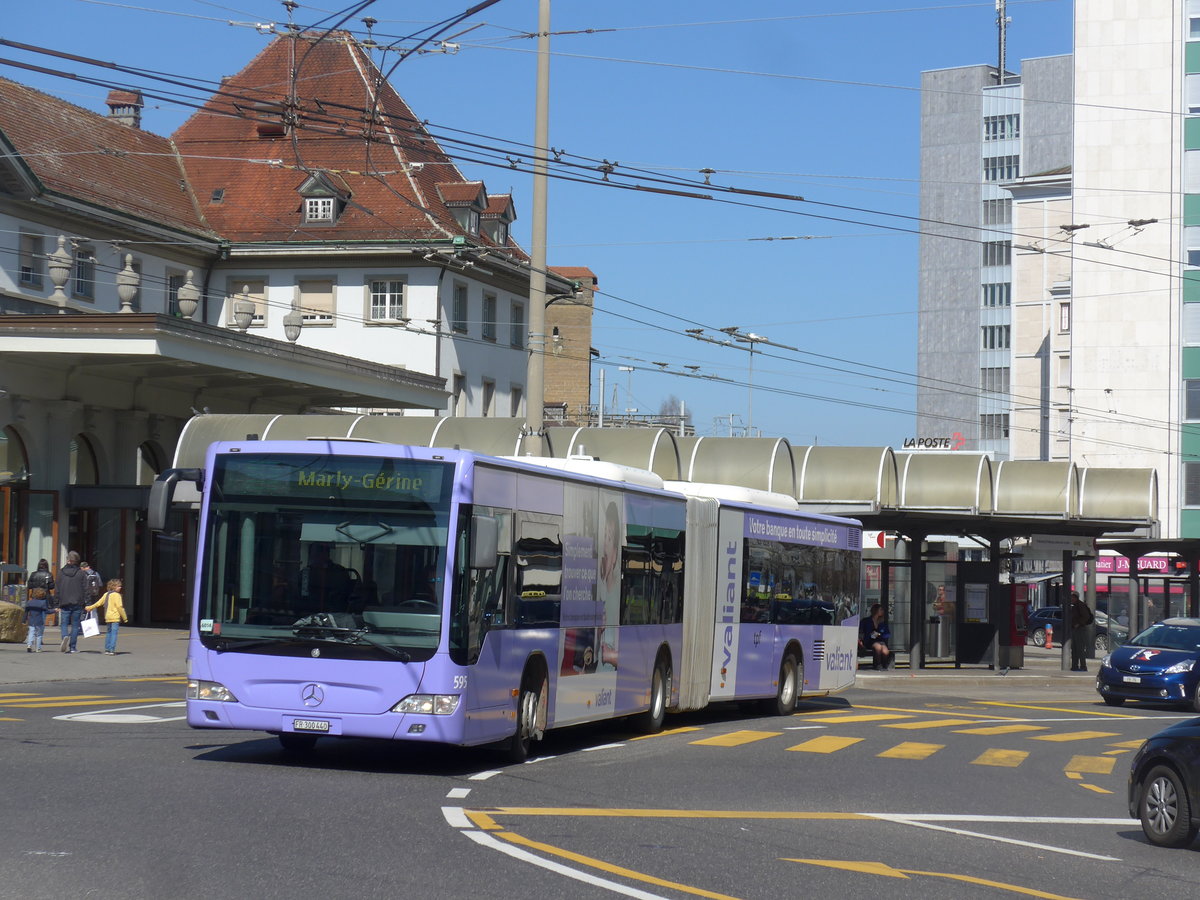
978	133
1060	265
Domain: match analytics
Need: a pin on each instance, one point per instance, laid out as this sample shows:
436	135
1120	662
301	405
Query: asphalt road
978	787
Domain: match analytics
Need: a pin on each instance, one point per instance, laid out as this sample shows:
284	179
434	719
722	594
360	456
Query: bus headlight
209	690
428	704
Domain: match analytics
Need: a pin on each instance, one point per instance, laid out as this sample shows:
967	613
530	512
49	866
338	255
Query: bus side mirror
163	491
485	542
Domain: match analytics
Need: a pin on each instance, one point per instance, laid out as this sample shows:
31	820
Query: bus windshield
325	554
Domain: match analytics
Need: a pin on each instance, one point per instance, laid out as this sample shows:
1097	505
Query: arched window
84	467
149	462
14	461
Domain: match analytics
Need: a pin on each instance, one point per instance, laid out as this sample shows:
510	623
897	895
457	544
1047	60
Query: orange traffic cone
1049	637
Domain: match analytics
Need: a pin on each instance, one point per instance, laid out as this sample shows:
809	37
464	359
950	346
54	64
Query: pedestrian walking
35	618
114	613
71	589
41	578
1081	620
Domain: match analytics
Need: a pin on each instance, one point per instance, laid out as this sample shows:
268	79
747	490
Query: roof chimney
126	107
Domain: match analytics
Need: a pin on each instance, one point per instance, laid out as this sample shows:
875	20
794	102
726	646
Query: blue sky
812	99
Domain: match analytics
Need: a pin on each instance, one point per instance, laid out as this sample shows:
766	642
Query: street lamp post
744	337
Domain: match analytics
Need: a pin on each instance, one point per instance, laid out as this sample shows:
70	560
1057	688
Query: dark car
1107	633
1164	785
1161	664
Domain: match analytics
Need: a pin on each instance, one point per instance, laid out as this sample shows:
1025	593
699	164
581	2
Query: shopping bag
90	625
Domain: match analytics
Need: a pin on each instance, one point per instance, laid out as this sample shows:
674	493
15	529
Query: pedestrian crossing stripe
911	750
827	743
1006	759
737	738
1074	736
1090	765
1000	729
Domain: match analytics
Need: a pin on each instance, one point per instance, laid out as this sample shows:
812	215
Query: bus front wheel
651	721
531	716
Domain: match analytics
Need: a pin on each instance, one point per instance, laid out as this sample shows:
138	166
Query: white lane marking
483	776
803	727
599	747
487	840
119	715
458	793
1019	820
901	820
456	817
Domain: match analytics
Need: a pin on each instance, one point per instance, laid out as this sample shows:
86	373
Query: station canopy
913	494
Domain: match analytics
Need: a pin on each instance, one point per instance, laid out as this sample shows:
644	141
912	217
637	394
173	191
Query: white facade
1127	301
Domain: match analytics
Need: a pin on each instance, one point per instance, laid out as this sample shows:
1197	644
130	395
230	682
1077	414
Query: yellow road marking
1075	776
986	882
10	719
482	820
591	812
1115	752
866	717
609	867
849	865
736	738
911	750
826	744
45	698
1130	745
933	709
108	701
1073	736
666	732
1092	765
1076	712
878	868
932	723
1000	729
1007	759
1097	789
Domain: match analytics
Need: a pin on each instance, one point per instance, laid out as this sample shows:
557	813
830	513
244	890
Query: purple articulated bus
420	594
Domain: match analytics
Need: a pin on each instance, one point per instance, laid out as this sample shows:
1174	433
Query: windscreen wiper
360	637
322	627
224	645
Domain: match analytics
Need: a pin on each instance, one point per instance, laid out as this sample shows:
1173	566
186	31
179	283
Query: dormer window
318	209
325	197
467	218
497	231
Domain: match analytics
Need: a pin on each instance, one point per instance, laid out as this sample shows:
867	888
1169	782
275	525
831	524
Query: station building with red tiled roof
297	244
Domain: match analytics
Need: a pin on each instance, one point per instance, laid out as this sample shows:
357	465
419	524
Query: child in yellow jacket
114	613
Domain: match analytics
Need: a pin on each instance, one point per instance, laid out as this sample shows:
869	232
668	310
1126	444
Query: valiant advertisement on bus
778	571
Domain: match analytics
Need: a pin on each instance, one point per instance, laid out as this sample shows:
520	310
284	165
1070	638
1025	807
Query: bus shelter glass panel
897	603
941	611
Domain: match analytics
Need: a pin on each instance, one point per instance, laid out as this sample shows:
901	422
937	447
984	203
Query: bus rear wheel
651	721
791	675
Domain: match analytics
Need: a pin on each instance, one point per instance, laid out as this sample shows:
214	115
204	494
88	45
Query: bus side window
537	564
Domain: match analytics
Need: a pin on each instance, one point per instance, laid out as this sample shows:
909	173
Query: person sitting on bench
874	636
